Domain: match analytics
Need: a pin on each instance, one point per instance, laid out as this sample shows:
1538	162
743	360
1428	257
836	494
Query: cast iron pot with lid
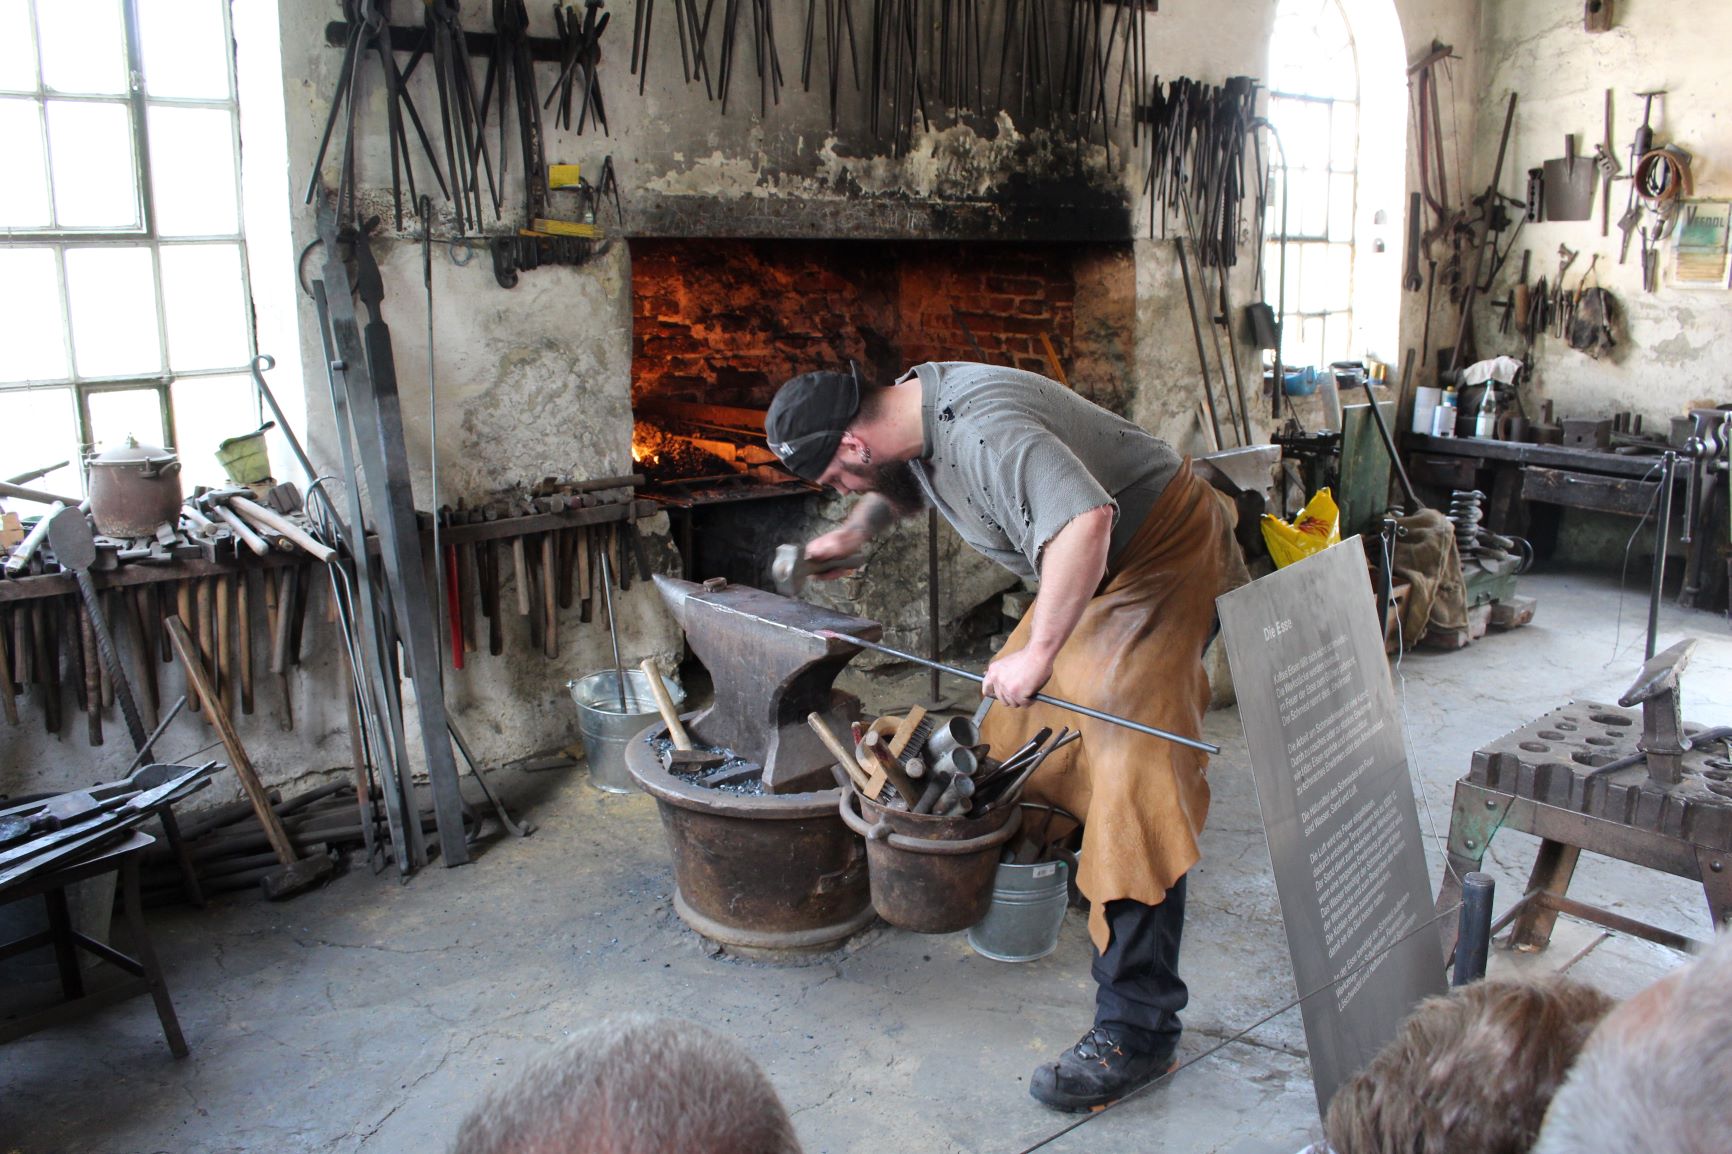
133	489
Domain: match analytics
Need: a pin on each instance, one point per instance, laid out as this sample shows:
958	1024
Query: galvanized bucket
606	730
1027	911
930	874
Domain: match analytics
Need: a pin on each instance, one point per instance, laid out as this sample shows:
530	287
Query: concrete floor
370	1015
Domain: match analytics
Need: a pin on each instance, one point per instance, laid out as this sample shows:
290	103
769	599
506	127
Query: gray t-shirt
1012	457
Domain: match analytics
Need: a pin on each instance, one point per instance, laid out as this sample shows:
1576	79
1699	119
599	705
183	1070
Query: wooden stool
123	856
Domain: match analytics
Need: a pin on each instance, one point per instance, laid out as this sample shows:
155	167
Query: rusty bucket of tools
930	873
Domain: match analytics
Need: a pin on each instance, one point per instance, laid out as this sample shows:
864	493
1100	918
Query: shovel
1569	184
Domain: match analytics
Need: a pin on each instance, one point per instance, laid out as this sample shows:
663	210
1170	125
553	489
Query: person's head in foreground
634	1085
1470	1072
1656	1077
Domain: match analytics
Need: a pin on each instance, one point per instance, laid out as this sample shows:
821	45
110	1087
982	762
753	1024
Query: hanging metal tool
580	56
461	123
1607	162
838	26
370	31
1640	145
1483	230
511	69
75	549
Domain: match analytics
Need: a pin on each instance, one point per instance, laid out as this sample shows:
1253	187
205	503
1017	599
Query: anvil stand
1579	779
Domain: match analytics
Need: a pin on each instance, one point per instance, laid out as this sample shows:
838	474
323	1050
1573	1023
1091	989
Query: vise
773	660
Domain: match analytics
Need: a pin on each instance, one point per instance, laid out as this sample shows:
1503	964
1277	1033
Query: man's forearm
1071	567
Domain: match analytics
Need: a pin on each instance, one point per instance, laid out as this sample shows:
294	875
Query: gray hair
634	1084
1657	1075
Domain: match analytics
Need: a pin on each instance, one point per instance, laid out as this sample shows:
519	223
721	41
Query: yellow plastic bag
1317	527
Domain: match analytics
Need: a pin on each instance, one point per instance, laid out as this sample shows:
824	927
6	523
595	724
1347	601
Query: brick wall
726	321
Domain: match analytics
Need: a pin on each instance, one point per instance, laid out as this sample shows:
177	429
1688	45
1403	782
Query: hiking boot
1098	1071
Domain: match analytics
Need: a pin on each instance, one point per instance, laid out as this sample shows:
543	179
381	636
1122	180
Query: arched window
1314	104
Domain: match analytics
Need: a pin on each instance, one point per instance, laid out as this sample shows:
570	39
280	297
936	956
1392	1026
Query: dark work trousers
1140	992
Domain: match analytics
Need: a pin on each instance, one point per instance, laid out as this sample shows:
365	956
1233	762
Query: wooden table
123	855
1515	475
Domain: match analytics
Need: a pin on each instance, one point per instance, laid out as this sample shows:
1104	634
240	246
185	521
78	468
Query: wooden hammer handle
676	731
271	519
841	754
200	684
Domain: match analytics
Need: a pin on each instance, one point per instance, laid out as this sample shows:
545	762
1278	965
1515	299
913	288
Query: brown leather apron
1136	652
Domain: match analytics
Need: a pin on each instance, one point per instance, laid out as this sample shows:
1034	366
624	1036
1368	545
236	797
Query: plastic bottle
1485	420
1443	420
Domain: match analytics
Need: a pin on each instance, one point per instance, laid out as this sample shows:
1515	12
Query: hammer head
789	570
297	877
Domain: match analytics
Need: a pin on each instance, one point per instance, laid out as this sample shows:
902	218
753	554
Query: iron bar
954	671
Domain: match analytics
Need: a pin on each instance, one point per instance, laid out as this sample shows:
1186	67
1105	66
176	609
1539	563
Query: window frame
1304	244
59	238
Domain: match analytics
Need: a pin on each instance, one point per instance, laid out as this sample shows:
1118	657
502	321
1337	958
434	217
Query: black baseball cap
808	417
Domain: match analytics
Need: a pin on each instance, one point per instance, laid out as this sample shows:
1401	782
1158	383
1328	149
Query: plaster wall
1670	341
533	381
1457	25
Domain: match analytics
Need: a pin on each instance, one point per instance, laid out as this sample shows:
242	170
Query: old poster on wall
1319	711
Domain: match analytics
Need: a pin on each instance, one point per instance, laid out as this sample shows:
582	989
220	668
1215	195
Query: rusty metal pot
133	489
769	875
929	873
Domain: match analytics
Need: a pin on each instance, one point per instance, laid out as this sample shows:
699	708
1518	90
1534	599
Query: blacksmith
1129	548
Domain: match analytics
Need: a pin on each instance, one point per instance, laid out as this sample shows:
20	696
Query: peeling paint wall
1672	341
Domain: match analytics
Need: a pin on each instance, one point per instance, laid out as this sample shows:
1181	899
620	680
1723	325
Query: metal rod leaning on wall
1239	416
1662	529
367	658
370	380
1485	236
1197	335
954	671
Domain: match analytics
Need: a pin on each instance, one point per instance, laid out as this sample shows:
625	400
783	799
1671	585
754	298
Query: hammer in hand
791	568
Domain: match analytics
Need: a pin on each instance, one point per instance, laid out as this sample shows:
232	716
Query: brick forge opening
718	325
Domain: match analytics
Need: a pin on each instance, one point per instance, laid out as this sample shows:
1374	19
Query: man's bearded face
894	481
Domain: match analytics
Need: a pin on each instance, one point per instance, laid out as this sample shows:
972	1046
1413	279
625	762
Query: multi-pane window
1313	103
124	307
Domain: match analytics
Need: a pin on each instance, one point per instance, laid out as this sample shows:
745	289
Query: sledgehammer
791	568
297	873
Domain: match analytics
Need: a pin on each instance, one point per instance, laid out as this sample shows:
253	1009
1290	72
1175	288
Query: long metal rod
393	750
932	644
150	742
1414	504
1662	526
1041	697
613	628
